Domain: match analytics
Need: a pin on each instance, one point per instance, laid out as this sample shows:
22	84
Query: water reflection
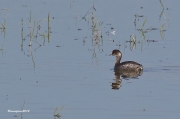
124	74
129	74
117	83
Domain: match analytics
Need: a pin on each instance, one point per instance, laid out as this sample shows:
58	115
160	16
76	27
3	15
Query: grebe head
116	53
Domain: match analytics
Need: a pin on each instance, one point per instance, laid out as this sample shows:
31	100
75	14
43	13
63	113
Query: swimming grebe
125	66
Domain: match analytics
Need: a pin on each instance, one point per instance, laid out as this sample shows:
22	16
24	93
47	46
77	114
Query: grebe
125	66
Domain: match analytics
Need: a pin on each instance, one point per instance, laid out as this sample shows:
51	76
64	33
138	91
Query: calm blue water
72	68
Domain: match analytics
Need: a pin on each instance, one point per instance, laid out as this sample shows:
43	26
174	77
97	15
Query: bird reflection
129	74
124	74
117	83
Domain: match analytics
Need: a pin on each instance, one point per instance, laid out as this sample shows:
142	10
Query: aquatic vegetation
95	26
96	32
132	42
22	109
58	114
37	37
35	29
3	31
1	49
3	27
162	8
162	27
144	30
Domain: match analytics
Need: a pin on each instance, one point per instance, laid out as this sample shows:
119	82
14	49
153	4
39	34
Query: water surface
68	63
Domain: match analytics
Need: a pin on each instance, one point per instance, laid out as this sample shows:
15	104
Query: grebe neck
118	59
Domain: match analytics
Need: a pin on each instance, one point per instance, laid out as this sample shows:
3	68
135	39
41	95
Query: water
72	68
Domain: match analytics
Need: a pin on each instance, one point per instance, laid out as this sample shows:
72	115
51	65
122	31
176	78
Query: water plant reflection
117	84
